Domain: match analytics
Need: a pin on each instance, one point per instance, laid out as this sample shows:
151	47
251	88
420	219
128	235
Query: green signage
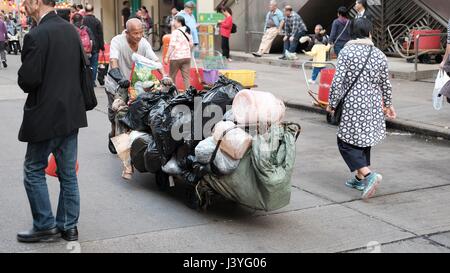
210	18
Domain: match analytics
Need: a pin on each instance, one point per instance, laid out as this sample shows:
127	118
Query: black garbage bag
196	174
138	148
221	95
152	157
137	115
160	121
186	98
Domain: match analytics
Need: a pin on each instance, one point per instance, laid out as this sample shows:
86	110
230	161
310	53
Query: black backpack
234	28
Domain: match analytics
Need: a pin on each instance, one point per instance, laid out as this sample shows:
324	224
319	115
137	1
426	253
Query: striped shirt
448	31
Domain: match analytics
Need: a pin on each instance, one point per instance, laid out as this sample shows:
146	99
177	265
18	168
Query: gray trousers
2	51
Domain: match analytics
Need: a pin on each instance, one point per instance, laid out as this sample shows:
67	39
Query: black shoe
283	58
5	65
256	54
34	236
70	234
111	147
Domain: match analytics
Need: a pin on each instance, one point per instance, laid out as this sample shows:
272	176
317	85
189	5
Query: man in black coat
54	111
97	29
362	9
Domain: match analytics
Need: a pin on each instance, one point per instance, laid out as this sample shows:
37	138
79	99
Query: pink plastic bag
235	143
251	107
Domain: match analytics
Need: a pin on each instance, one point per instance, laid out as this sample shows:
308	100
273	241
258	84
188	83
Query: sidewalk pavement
413	100
398	67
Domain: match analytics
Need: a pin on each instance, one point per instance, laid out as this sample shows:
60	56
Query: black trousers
226	47
355	157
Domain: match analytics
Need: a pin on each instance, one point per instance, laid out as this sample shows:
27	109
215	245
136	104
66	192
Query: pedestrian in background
361	8
226	26
294	28
362	85
126	13
447	52
340	30
170	19
179	53
3	41
86	36
148	23
190	20
319	53
96	28
53	114
272	27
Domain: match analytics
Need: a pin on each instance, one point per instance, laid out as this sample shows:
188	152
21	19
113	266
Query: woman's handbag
337	116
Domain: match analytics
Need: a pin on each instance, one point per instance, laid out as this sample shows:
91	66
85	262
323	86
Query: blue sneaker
355	184
373	181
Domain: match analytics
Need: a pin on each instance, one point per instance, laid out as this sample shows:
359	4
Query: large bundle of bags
252	167
262	180
187	136
154	115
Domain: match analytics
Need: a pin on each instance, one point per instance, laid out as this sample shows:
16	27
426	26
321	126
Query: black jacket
97	29
51	76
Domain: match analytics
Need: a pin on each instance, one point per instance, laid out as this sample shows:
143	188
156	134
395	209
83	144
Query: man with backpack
86	35
96	27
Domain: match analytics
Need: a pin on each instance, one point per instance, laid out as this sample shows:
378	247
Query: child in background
319	54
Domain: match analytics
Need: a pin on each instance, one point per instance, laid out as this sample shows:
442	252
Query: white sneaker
310	81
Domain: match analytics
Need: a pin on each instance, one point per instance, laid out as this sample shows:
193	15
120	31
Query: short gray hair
273	2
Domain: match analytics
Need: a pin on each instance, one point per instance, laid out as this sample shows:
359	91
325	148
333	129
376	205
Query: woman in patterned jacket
365	107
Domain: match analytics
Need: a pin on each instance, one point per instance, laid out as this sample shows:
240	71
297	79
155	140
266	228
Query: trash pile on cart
227	141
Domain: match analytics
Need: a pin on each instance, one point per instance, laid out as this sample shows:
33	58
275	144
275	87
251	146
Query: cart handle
310	92
397	48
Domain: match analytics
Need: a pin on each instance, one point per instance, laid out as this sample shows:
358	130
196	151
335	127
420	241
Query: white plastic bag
135	135
145	61
204	150
225	164
441	79
172	167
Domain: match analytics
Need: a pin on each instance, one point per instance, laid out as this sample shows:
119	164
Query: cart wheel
162	181
192	200
438	59
426	59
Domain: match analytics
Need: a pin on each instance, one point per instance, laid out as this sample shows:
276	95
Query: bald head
133	25
89	8
134	31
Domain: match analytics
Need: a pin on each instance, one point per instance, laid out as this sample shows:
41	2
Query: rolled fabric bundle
236	141
251	107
